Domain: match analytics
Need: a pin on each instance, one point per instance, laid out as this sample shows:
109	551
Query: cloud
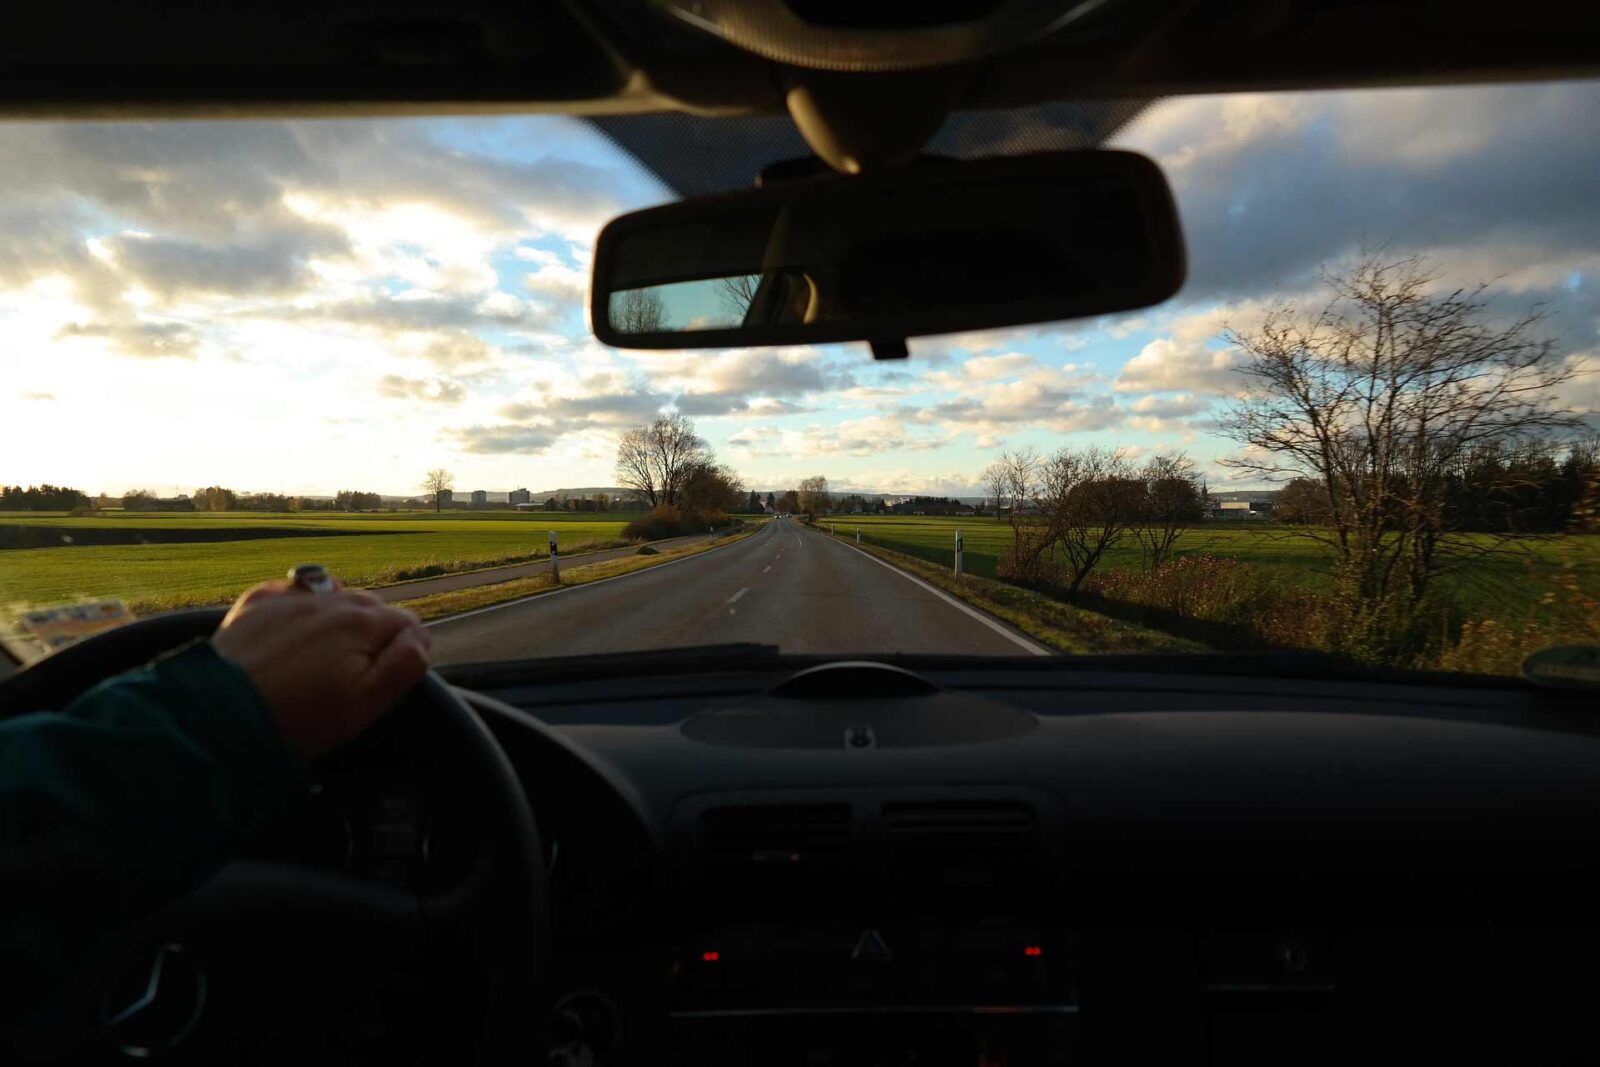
40	397
429	390
274	264
501	440
989	393
307	220
1166	364
857	437
146	340
554	278
1272	186
420	312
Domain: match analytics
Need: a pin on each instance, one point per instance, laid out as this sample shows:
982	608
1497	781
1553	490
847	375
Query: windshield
1365	426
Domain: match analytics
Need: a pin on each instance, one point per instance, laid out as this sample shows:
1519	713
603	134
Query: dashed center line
767	568
734	599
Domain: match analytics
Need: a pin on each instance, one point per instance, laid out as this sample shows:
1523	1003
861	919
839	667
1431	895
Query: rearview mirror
938	247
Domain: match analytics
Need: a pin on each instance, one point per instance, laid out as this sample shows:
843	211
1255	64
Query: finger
370	628
362	596
397	668
261	592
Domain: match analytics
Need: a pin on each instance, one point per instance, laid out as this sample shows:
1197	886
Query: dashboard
1009	862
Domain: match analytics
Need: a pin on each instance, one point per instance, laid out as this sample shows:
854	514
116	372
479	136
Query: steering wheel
309	932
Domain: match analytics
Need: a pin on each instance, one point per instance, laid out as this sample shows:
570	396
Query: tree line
1496	487
42	498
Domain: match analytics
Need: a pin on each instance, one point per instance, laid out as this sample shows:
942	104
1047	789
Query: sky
310	306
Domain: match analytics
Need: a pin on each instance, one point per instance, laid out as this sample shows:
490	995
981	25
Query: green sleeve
125	801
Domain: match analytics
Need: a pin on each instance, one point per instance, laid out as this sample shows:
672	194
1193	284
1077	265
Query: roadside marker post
958	553
555	560
858	535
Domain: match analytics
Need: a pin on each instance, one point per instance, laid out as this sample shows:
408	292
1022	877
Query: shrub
663	520
1205	587
1567	615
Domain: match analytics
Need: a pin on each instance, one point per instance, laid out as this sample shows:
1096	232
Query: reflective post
958	553
555	560
858	535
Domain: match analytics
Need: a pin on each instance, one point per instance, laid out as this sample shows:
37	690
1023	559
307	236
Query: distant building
1241	510
446	497
480	498
518	496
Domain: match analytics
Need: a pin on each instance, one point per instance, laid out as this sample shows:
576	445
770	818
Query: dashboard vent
775	837
960	844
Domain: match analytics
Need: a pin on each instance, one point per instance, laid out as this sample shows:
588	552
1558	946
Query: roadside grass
1051	622
438	605
1506	587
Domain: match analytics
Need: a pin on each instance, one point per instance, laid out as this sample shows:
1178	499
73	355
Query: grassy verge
440	568
1050	622
438	605
1501	586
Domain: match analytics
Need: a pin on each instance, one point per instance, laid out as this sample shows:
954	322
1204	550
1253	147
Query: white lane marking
574	588
1035	649
767	568
734	599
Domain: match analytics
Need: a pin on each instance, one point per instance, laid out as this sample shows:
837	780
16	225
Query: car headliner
165	57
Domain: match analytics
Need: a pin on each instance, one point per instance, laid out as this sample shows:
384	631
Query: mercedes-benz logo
154	1002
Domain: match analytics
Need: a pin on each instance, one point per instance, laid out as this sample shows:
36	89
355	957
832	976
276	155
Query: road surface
786	585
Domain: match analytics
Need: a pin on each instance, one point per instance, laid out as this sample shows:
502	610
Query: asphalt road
786	585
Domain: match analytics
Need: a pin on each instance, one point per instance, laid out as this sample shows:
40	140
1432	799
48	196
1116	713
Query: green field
366	549
1506	588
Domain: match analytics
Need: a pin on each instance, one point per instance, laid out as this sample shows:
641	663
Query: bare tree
1017	477
1377	397
438	482
652	459
996	479
1172	501
1091	500
736	293
638	311
814	496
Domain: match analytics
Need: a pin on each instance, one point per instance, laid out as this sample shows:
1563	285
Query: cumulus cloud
553	278
501	440
1167	364
148	340
856	437
429	390
990	393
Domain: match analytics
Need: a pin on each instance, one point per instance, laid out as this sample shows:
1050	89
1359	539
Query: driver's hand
328	664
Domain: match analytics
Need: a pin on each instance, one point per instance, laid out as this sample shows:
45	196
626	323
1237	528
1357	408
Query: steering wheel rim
513	976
